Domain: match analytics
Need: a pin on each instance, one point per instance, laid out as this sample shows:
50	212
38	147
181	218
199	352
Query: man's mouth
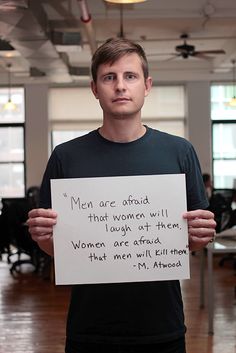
121	99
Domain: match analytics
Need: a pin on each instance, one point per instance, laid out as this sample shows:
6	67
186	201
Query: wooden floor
33	312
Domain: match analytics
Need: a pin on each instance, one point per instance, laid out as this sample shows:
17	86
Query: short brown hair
112	50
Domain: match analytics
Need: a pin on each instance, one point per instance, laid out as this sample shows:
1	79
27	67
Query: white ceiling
156	24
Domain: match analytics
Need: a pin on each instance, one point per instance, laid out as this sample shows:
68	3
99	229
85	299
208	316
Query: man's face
121	87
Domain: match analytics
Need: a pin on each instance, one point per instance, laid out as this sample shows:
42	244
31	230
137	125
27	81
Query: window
79	112
12	166
223	137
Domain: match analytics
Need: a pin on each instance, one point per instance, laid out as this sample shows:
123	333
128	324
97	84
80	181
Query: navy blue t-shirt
143	312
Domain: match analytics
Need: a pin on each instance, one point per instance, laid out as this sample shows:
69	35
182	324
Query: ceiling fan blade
219	51
174	56
201	55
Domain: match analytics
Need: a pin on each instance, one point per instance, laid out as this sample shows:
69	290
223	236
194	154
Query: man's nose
120	84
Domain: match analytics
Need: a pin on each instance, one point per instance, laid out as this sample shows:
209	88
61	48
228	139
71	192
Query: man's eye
108	78
130	76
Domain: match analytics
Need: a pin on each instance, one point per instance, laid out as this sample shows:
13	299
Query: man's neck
122	131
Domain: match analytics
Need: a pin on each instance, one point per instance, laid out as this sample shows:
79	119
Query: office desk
225	242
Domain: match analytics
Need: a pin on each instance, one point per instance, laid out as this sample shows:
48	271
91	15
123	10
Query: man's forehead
128	62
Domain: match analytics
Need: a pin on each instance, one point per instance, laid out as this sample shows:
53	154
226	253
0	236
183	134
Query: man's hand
40	223
201	228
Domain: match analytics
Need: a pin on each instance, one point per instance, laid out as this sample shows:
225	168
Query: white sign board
120	229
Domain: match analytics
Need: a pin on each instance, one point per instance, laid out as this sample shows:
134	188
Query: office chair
220	205
26	250
4	233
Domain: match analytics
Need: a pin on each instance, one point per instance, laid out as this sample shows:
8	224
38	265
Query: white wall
199	121
36	132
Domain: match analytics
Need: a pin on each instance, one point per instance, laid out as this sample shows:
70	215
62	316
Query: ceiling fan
186	50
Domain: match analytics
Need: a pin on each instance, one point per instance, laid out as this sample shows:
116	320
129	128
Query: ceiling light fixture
232	102
10	105
125	1
120	3
12	5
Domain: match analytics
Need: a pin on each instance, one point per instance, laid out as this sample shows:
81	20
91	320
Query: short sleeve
53	171
196	196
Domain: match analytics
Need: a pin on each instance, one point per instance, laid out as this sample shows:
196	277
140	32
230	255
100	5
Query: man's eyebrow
131	72
109	73
128	72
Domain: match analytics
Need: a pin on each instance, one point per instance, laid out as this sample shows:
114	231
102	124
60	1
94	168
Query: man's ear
94	89
148	85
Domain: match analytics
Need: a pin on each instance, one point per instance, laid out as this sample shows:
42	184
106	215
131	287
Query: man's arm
201	228
40	223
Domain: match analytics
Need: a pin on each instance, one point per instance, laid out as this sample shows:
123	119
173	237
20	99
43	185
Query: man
124	317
